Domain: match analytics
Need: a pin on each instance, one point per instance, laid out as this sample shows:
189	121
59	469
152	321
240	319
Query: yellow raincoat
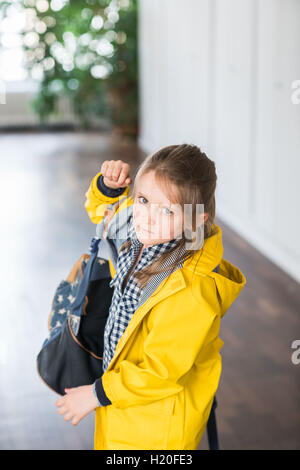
166	368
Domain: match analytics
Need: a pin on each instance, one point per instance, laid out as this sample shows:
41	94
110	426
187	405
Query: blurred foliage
87	51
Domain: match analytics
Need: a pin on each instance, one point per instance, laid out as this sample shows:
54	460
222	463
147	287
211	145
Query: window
13	75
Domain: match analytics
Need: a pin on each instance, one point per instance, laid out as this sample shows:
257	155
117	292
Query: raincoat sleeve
177	336
99	197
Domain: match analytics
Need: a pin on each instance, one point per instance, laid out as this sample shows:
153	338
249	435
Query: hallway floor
45	228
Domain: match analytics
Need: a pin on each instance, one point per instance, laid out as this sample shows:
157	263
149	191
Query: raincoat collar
209	256
228	278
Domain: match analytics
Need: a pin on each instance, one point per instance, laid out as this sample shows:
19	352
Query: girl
161	361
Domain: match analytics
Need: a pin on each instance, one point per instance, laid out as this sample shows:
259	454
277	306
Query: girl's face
156	219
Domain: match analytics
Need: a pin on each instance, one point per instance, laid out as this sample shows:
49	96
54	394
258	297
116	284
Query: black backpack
72	355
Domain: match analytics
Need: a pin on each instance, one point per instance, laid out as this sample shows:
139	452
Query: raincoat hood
229	279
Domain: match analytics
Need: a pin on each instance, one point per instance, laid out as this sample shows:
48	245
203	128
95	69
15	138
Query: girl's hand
77	403
115	174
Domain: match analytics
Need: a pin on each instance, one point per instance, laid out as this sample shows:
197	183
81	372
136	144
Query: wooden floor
44	229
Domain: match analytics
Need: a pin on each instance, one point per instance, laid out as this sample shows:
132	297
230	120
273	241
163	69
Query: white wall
219	74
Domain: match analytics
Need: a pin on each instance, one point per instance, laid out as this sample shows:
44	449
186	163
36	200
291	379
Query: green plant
86	51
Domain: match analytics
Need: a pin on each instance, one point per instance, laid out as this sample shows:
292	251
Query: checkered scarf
123	305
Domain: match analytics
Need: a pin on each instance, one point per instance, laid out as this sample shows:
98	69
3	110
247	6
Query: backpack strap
109	213
78	265
212	433
80	300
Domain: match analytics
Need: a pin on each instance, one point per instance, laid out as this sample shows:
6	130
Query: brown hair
193	175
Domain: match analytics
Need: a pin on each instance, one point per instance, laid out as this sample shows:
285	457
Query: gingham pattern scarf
123	305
